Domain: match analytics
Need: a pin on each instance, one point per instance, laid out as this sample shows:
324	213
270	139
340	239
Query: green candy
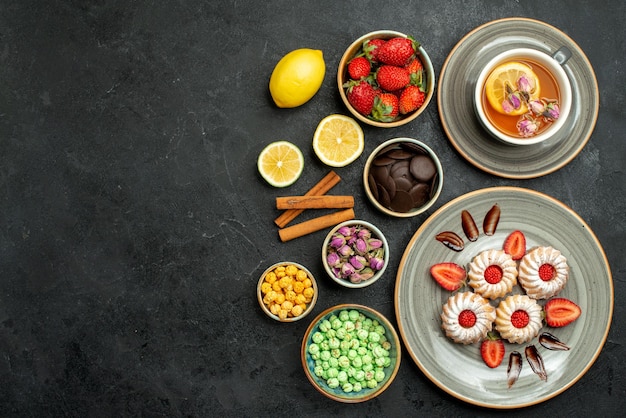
350	351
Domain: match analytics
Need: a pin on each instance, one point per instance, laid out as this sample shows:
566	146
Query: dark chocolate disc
402	202
423	168
372	185
403	183
390	186
420	194
414	148
400	154
383	196
388	148
380	173
400	169
383	160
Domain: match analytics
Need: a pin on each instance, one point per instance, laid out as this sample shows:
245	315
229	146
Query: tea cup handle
562	55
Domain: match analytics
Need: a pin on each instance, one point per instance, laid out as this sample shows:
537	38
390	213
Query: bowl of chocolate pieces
403	177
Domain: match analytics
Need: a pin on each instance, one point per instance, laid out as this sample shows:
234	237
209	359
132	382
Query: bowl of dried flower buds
355	254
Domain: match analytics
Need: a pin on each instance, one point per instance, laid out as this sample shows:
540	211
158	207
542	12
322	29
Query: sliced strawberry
561	312
515	245
492	350
450	276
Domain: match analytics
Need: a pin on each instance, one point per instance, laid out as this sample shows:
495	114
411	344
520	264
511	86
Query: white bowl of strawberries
385	78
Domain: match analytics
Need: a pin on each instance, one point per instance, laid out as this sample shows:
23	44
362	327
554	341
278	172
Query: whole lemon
297	77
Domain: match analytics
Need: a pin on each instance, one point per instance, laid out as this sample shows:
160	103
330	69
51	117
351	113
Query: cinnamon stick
322	187
315	224
314	202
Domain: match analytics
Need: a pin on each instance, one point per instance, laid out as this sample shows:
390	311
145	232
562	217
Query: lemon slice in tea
280	163
338	140
505	75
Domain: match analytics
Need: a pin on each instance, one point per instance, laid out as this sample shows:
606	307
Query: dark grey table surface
135	225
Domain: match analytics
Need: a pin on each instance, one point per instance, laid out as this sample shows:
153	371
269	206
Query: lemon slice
508	74
338	140
280	163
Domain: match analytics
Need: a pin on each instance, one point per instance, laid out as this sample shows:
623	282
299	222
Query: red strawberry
467	318
515	245
372	47
561	312
416	72
385	107
361	96
397	51
414	66
358	67
392	78
411	98
449	275
492	350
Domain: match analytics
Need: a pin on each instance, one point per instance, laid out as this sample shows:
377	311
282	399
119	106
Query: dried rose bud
374	243
537	106
358	262
333	259
337	241
364	233
360	246
525	85
552	111
377	263
515	100
507	106
345	250
346	231
347	269
365	274
527	127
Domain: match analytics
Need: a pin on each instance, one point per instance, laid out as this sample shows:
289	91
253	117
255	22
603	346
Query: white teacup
553	64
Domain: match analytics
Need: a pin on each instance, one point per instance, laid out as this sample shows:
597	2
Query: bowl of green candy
350	353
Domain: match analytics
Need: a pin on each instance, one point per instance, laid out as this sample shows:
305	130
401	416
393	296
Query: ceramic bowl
554	66
291	316
329	246
387	181
342	78
317	361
